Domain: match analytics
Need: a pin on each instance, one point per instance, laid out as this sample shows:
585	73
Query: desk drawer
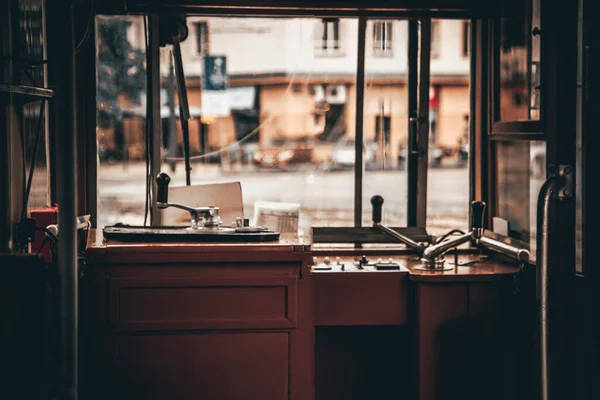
168	304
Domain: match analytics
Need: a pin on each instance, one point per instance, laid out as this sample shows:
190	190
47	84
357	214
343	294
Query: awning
241	98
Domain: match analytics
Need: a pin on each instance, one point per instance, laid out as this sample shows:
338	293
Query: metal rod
184	110
67	200
423	121
505	249
153	118
360	104
412	167
546	214
406	240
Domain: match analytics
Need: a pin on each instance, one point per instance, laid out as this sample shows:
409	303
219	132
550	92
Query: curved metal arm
404	239
377	203
546	213
210	215
442	248
432	254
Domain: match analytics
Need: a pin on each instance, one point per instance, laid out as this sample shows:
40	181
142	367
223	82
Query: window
327	37
466	39
518	148
288	132
518	62
201	38
435	38
120	120
382	38
520	173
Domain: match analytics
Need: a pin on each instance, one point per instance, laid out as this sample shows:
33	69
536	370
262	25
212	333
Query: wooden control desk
252	321
199	321
441	310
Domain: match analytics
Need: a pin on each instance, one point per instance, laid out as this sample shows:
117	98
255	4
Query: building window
327	37
382	38
435	39
201	38
466	38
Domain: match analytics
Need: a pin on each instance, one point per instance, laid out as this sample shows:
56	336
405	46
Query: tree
121	71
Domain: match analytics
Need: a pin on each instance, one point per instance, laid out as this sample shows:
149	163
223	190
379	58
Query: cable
44	242
50	234
88	29
452	232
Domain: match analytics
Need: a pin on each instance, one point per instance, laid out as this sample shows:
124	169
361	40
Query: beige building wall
453	105
285	114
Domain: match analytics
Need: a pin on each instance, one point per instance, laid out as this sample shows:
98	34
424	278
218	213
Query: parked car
436	155
343	154
284	151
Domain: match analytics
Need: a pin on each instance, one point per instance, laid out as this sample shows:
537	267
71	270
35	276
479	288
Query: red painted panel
360	299
200	366
186	304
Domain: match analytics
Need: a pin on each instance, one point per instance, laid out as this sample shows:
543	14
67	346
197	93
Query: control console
356	264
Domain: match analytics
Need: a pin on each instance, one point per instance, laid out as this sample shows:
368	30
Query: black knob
477	211
162	195
377	203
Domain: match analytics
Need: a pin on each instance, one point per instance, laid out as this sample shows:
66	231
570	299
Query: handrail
546	215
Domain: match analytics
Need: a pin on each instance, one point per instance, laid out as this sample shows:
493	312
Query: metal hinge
566	190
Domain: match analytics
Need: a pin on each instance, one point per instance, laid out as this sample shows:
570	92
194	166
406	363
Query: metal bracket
566	190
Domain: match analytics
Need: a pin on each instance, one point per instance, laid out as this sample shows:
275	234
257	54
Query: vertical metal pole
153	89
172	143
473	84
546	219
412	154
423	121
360	102
67	200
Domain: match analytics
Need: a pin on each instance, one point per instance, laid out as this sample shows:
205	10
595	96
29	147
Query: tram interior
296	200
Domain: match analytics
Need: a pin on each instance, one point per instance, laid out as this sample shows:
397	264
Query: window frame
519	129
383	47
202	38
419	208
466	39
498	131
324	46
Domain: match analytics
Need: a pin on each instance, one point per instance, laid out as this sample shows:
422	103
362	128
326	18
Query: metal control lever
377	203
433	256
201	217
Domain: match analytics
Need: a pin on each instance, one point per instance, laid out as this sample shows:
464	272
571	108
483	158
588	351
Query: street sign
215	73
214	87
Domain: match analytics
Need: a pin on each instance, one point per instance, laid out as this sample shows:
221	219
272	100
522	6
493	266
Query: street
325	198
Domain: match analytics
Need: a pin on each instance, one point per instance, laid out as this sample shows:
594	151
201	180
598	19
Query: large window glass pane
519	61
520	173
283	126
120	119
449	105
385	120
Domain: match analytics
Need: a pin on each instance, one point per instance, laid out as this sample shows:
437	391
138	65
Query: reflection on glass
521	171
120	119
449	104
283	126
519	61
32	129
385	122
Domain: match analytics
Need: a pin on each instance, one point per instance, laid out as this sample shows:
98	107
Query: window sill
329	53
